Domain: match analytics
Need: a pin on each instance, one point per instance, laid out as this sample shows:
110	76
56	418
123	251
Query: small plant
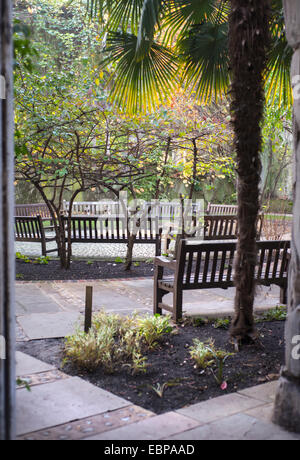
88	351
119	260
205	355
19	276
220	358
278	313
23	383
201	353
159	389
90	262
149	261
199	322
43	260
138	364
22	257
153	328
221	323
136	264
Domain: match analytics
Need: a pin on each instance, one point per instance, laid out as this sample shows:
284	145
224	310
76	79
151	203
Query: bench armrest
165	262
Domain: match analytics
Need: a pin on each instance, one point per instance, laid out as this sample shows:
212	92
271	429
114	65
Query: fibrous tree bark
248	45
287	403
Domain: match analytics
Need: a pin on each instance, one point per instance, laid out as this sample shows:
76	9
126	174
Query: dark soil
170	363
80	270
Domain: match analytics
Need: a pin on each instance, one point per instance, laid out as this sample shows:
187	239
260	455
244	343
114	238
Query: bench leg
158	248
283	295
44	250
158	293
177	305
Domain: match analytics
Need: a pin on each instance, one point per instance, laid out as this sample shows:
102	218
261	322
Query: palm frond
204	52
139	84
277	76
149	21
184	14
120	14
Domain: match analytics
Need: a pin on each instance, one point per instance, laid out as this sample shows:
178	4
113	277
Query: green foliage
153	328
154	46
204	353
44	260
221	323
23	383
119	260
278	313
88	351
115	341
23	257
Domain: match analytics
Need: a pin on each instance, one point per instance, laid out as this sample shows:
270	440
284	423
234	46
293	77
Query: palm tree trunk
249	38
287	403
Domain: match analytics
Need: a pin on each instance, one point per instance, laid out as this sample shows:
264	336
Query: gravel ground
89	251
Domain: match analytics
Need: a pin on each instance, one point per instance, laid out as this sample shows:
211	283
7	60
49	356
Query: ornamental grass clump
153	328
88	351
114	342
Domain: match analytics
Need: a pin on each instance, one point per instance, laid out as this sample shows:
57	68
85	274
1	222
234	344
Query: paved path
53	309
60	407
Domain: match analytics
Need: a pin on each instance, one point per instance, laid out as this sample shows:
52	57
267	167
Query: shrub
114	341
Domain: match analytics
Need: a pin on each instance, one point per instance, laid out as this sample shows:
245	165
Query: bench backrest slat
215	262
101	229
28	228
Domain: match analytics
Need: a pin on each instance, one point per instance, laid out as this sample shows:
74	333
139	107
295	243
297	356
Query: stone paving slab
60	402
265	392
34	300
237	427
49	325
92	425
156	427
223	406
26	365
263	413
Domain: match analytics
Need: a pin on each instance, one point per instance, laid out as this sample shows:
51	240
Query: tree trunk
7	255
287	403
249	37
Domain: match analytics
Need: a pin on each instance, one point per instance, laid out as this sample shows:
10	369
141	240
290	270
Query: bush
114	341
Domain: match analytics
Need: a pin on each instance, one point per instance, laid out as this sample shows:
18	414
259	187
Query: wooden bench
211	265
221	228
32	210
114	230
31	229
221	209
